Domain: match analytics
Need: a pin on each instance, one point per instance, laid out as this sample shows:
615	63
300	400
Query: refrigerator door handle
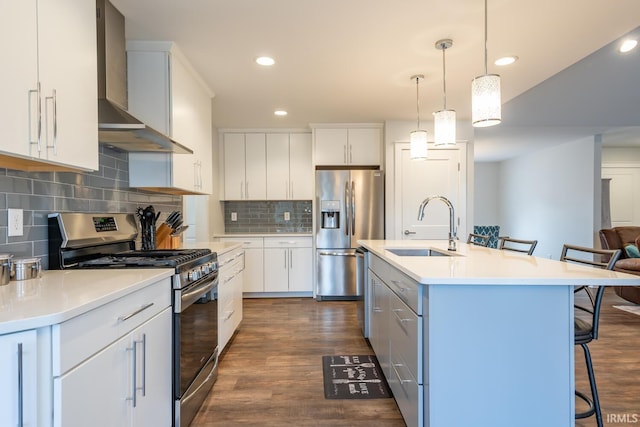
346	208
351	254
353	208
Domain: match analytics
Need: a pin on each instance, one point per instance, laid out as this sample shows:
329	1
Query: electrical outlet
14	222
234	216
287	216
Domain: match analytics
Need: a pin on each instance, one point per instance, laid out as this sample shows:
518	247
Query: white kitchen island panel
502	354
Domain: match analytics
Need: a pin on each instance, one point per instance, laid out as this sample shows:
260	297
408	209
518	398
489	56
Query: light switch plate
234	216
287	216
15	222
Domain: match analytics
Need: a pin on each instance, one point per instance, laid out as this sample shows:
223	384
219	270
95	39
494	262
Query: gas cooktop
155	258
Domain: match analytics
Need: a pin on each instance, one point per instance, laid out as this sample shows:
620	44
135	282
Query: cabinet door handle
144	364
241	190
291	191
344	153
20	388
133	313
290	258
285	259
350	154
134	387
54	103
246	190
229	314
39	117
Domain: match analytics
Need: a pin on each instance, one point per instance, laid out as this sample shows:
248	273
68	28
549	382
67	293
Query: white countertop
219	248
241	235
476	265
60	295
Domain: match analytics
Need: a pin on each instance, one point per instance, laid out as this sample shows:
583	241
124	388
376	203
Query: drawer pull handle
399	365
130	315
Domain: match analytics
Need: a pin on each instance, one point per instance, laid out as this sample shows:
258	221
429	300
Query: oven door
195	346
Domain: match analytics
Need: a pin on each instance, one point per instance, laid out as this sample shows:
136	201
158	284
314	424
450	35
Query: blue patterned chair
488	230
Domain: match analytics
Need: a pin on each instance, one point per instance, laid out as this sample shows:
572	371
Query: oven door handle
189	297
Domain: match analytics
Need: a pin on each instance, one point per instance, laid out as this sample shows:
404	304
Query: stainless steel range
84	240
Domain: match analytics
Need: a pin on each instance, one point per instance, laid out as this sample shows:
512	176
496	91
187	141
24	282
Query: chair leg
594	405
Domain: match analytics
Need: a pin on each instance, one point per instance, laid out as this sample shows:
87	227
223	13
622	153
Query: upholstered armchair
618	238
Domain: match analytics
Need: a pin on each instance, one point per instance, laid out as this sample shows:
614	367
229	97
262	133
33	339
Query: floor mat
353	377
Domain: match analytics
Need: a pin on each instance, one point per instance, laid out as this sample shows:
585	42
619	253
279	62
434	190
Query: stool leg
592	383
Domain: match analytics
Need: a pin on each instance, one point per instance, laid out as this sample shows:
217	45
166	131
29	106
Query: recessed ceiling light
280	113
506	60
265	60
628	45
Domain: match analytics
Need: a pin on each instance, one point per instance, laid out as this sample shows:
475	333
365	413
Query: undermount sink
417	252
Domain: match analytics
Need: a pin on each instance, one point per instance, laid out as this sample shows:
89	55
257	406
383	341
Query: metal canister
5	269
26	268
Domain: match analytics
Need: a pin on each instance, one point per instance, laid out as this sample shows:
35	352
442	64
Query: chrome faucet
452	227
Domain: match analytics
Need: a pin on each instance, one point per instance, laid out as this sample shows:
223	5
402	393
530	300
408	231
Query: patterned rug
353	377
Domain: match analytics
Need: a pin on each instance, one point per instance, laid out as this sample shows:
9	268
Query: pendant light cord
418	100
444	79
485	37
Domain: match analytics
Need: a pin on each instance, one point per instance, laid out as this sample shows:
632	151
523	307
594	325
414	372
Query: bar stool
517	245
478	239
586	327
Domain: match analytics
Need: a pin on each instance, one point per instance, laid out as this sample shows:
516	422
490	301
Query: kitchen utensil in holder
147	217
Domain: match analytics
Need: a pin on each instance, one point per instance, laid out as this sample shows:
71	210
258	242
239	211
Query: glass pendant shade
485	101
418	140
444	127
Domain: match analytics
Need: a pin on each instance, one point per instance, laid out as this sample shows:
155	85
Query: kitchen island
477	336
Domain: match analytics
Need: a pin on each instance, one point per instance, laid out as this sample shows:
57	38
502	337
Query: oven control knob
206	269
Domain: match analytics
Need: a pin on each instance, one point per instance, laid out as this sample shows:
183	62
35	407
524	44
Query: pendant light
485	92
418	137
444	120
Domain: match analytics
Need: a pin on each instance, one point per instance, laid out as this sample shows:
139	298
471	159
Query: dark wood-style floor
271	374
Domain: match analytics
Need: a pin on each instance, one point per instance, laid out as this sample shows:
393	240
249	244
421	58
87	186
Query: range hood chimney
116	127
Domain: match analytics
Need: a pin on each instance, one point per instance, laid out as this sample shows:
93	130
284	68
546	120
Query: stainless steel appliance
350	207
84	240
116	126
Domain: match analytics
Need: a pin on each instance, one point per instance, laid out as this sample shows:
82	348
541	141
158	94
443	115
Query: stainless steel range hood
116	127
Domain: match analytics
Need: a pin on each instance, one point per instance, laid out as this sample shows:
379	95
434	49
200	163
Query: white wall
486	199
552	195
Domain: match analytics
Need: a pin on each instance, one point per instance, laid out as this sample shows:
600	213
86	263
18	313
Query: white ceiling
351	61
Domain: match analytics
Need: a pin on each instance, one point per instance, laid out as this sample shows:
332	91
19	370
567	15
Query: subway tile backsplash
268	216
39	193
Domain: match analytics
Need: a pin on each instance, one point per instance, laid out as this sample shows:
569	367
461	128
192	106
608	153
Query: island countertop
477	265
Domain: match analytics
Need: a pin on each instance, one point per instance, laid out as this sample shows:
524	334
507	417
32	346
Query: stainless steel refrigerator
350	207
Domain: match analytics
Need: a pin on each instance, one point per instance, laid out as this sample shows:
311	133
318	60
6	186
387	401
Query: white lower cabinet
19	373
396	334
230	286
288	264
253	280
112	365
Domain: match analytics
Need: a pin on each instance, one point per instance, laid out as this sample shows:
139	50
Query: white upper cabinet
289	167
349	145
49	109
245	166
167	94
